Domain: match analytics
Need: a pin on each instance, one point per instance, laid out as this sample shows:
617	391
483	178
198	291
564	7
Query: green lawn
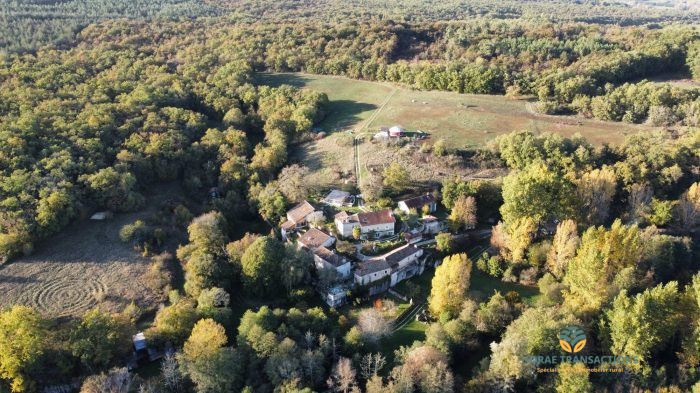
407	335
423	282
485	285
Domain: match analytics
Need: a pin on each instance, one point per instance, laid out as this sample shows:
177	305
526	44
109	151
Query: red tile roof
375	218
299	212
313	238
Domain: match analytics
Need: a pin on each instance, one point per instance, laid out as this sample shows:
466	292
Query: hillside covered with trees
94	112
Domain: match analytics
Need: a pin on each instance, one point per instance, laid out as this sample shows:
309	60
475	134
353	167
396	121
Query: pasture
463	120
358	108
83	267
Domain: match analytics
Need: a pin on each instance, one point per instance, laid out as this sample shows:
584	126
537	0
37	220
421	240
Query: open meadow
84	266
463	120
358	108
79	269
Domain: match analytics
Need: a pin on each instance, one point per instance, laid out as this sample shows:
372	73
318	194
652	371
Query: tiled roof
313	238
330	257
344	217
376	218
299	212
287	225
389	260
419	201
394	257
370	266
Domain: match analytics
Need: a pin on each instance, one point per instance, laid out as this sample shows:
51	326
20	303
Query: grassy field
83	267
351	101
358	108
483	286
681	80
463	120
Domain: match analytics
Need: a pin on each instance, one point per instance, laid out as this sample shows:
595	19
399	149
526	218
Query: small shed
139	341
396	131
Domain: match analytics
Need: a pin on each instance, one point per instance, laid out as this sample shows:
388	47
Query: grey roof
371	266
394	257
389	260
330	256
337	196
419	201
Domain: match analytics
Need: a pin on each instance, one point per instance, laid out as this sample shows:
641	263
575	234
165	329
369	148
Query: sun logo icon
572	339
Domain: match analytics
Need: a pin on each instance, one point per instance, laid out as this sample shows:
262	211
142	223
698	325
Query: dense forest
27	25
93	114
594	70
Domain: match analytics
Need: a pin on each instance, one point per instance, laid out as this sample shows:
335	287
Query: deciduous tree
261	266
595	191
396	177
604	264
564	246
641	325
463	214
688	208
537	192
450	285
22	342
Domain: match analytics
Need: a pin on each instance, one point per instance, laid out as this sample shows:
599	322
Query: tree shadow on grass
279	79
340	114
343	114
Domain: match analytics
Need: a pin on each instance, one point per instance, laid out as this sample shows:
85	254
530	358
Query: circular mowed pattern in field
64	297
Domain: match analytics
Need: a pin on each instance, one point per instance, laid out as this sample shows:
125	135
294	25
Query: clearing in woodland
83	267
359	108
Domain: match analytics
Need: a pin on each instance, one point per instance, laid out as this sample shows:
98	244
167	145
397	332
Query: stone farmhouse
378	223
299	217
396	265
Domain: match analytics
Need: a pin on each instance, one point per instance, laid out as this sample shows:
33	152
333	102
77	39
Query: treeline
422	10
607	87
557	62
88	128
571	67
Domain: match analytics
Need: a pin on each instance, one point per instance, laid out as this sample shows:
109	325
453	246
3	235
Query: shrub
159	276
495	266
661	116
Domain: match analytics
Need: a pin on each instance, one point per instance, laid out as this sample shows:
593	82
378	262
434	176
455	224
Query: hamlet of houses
377	273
